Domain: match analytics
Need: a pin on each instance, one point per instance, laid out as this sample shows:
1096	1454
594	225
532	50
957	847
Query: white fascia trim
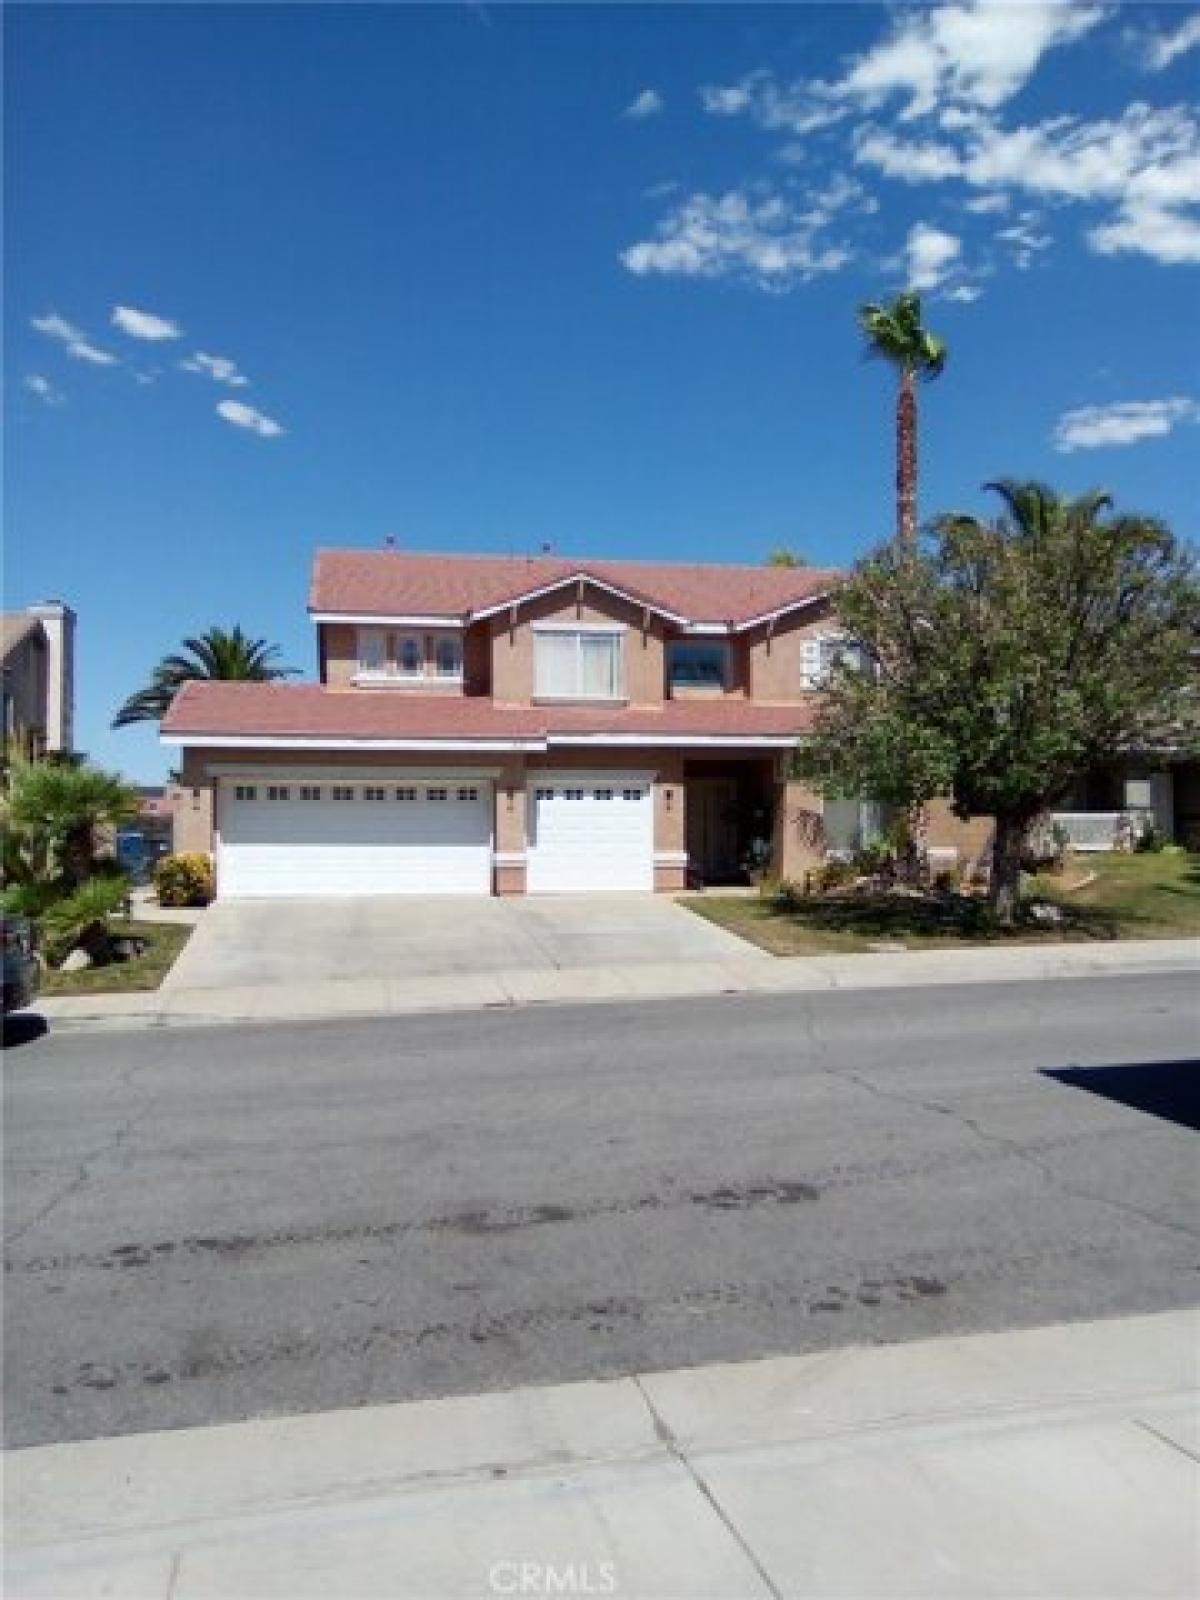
536	776
298	773
714	741
708	629
390	619
225	741
581	627
564	583
781	611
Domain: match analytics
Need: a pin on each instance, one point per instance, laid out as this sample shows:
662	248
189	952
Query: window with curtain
699	663
581	664
372	650
411	656
820	655
449	656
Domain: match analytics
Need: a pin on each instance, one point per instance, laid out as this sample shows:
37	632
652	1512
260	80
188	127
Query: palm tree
896	334
53	811
214	655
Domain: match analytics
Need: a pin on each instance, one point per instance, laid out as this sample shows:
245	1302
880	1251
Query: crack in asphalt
84	1172
1011	1148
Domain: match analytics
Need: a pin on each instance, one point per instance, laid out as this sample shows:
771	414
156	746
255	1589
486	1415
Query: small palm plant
53	812
219	655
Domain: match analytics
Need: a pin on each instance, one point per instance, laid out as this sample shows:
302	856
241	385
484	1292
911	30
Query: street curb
796	975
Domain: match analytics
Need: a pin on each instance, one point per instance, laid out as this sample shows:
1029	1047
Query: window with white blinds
819	655
583	664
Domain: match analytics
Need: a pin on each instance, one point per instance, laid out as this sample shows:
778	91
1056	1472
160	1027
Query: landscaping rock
1041	911
77	961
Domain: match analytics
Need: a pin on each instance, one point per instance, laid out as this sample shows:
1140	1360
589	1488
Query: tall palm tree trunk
906	459
914	858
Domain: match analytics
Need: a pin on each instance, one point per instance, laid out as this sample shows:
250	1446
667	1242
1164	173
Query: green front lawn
164	941
1128	897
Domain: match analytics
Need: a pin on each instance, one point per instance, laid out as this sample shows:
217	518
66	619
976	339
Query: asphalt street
207	1224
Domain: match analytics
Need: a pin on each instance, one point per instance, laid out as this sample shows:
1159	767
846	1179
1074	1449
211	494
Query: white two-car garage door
590	834
282	837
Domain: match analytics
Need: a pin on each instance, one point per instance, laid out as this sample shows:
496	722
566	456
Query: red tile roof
391	583
310	711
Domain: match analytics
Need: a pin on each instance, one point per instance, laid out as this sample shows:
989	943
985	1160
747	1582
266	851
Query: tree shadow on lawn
949	916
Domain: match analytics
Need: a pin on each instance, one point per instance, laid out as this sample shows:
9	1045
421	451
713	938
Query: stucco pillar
799	843
670	834
509	873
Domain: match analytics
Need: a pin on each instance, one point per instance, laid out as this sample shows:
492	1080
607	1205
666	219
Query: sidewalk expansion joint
673	1448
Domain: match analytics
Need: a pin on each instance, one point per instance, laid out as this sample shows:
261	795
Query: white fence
1101	830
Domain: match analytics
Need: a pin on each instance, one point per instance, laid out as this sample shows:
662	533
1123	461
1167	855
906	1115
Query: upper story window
578	663
372	650
410	656
818	656
698	664
448	656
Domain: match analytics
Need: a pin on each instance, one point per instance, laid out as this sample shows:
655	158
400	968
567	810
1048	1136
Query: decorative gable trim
580	577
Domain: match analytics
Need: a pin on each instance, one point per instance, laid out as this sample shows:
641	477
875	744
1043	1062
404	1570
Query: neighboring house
140	844
510	725
38	650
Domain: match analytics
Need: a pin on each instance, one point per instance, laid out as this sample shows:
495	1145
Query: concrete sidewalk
1050	1462
756	974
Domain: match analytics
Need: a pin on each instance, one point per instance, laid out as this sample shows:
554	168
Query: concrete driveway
265	943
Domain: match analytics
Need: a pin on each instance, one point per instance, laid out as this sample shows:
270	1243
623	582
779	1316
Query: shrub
788	894
834	874
184	880
81	918
1151	840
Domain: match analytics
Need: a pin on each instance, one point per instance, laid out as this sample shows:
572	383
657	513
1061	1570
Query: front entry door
712	834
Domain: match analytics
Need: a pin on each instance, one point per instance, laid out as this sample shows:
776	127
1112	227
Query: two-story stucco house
492	725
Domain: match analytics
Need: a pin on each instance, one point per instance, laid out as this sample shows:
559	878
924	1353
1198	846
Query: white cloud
929	254
799	108
1127	422
72	339
1144	163
44	389
1162	49
977	52
967	293
220	368
763	238
144	324
988	204
243	416
647	104
1023	240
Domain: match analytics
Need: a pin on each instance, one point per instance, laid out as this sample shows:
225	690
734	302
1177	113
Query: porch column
670	833
798	845
509	869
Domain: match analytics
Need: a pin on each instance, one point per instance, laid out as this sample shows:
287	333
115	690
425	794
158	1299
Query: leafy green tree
895	333
52	813
214	655
1008	657
782	556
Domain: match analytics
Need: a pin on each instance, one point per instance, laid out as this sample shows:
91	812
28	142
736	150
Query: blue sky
488	277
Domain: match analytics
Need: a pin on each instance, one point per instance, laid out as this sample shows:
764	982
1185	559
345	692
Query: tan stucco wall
512	645
339	641
26	687
774	656
799	843
972	839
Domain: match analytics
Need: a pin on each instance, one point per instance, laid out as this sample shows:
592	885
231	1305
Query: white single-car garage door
280	837
590	834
